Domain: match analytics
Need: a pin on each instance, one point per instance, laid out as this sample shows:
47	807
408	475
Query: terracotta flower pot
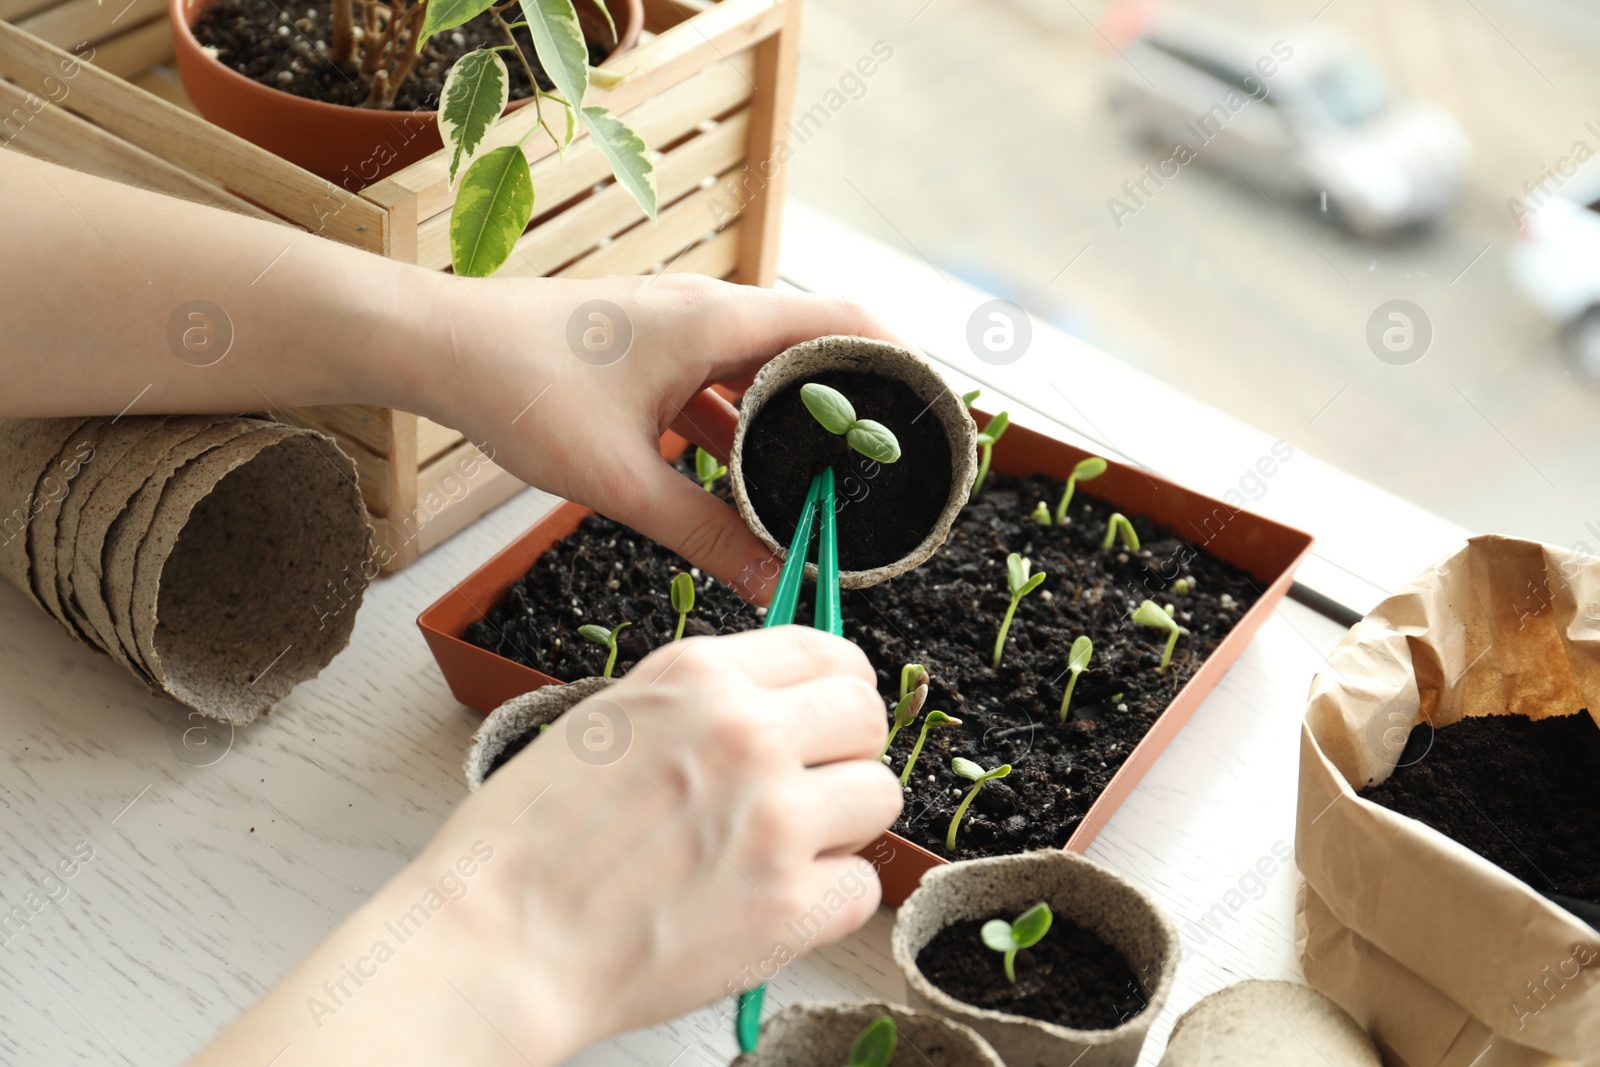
1268	1024
517	721
770	510
802	1035
351	146
1076	889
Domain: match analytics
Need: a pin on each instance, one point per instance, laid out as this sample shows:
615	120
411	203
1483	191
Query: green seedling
833	410
911	676
1150	614
1119	526
1012	937
707	469
875	1045
1093	467
991	434
1041	514
905	713
1021	583
682	595
968	399
933	721
601	636
1077	663
1181	587
965	768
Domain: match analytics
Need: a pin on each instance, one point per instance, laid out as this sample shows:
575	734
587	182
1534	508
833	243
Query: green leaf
966	768
1151	614
558	42
985	439
1078	659
492	209
601	4
706	467
939	718
1093	467
598	634
829	407
874	440
997	426
1016	573
448	14
626	152
875	1046
474	96
999	772
910	704
1032	925
968	398
996	933
911	676
1031	584
683	593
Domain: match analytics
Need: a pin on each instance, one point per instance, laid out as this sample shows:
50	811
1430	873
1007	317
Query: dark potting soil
893	506
1522	793
944	615
1071	977
284	44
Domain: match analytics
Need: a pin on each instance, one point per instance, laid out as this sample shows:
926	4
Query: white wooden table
213	871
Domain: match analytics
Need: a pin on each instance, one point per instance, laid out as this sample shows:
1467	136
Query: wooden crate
710	87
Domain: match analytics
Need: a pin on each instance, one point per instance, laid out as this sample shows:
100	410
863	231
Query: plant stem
983	471
682	617
1166	659
955	823
916	750
611	659
1067	698
1005	626
892	731
1066	498
1011	966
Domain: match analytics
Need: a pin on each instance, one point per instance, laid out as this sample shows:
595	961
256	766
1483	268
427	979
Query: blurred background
1364	226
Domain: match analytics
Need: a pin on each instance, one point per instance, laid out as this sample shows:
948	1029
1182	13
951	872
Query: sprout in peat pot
992	432
968	399
1085	469
905	712
681	593
975	774
875	1045
607	638
834	412
707	469
933	721
1011	937
1152	615
1021	583
1041	514
1077	663
1119	526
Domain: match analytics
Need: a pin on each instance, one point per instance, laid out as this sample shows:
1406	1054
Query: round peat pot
1268	1024
805	1035
350	146
511	726
891	516
1080	893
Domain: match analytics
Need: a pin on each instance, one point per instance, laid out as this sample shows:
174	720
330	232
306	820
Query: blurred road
984	145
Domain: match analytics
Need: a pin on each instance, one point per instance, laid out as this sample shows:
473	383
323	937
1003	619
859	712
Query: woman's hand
570	383
580	894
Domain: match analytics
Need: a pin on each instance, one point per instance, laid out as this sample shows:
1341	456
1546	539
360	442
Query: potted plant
1052	958
1281	1024
353	91
866	1034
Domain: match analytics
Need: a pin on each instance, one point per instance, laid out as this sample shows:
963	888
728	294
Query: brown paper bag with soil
1448	960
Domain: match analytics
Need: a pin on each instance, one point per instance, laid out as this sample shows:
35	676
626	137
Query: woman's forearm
114	298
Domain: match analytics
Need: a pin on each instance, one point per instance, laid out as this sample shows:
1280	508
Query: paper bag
1446	959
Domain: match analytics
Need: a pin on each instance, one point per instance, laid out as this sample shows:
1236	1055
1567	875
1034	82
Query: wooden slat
433	440
58	136
400	492
777	63
365	424
667	118
172	133
613	209
17	10
135	52
642	247
648	71
661	15
489	490
716	258
162	82
77	21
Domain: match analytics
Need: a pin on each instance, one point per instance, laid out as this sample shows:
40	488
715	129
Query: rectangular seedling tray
1269	551
710	87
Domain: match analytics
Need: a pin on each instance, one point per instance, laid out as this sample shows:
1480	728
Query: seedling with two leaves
607	639
965	768
834	412
932	721
905	713
682	596
707	469
1012	937
1020	581
1077	663
1084	470
1150	614
987	439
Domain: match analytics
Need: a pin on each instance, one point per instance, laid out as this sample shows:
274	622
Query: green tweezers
820	499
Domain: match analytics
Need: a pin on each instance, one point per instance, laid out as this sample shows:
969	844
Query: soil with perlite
284	44
944	615
1071	977
1522	793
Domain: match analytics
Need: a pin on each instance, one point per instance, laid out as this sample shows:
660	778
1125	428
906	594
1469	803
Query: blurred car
1555	264
1302	114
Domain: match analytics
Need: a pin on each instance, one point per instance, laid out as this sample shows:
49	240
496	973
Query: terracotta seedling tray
1268	551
